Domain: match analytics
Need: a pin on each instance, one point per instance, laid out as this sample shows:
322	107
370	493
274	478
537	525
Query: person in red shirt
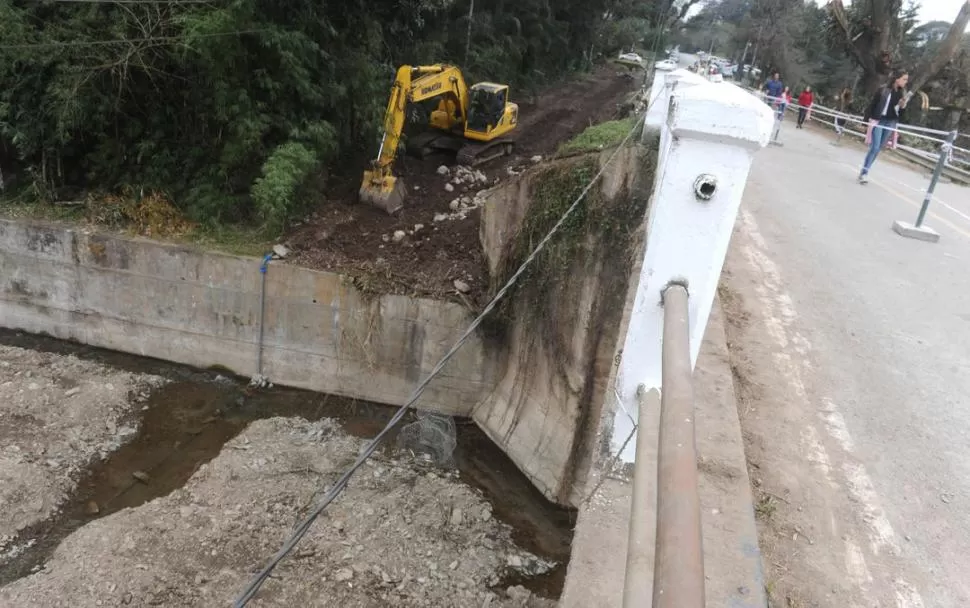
805	101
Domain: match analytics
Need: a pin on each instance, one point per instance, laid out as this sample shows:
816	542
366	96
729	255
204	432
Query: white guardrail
709	133
958	158
947	160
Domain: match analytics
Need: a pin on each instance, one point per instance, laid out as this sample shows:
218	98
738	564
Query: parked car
630	59
667	64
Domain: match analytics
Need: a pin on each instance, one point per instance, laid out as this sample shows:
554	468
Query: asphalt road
859	343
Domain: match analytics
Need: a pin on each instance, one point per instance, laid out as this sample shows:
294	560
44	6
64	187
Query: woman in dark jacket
886	110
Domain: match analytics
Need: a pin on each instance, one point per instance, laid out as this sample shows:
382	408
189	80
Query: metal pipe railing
677	558
678	573
640	546
258	377
903	129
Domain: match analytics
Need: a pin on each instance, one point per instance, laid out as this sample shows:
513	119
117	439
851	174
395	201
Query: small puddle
185	423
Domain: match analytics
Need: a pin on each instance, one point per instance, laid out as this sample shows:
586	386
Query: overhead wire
303	527
88	43
175	2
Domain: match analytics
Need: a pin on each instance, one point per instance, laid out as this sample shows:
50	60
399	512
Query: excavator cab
455	113
490	114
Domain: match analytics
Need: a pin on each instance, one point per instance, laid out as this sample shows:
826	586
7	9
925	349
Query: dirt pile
402	534
358	240
57	414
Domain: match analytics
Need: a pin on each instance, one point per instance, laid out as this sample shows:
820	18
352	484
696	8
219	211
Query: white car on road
630	58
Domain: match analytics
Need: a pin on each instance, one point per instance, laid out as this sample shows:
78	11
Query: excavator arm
412	84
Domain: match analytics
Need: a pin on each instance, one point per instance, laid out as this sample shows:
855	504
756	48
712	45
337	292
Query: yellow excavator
475	122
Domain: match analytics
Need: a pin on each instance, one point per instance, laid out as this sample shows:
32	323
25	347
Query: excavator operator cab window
486	109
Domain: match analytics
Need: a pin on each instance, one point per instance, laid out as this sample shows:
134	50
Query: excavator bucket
382	190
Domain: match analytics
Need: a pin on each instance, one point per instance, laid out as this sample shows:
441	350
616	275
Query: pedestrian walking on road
805	101
782	103
773	87
778	104
884	113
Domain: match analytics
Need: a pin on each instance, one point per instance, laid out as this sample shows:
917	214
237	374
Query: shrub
276	194
604	135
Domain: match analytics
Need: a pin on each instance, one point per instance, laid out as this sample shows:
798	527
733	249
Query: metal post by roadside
918	230
776	131
937	171
678	574
262	311
839	130
779	119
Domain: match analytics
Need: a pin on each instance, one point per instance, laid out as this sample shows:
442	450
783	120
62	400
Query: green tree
874	33
232	108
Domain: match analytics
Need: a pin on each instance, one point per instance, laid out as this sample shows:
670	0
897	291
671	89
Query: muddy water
185	423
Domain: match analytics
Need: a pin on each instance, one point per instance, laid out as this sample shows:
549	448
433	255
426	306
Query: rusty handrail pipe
640	546
678	564
678	571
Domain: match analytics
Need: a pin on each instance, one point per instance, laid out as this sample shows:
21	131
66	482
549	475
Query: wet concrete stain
185	423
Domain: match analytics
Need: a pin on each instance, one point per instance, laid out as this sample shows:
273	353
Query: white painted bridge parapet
709	134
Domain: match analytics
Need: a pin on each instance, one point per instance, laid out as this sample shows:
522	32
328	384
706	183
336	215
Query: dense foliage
231	107
830	47
787	35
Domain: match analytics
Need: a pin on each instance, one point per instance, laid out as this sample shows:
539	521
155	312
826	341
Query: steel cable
303	527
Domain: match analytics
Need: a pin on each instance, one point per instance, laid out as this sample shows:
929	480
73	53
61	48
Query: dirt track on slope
357	240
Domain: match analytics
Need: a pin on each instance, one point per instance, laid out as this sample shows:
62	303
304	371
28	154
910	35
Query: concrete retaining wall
536	390
202	309
563	333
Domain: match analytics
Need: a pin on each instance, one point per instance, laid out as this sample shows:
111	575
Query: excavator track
425	143
477	153
468	153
